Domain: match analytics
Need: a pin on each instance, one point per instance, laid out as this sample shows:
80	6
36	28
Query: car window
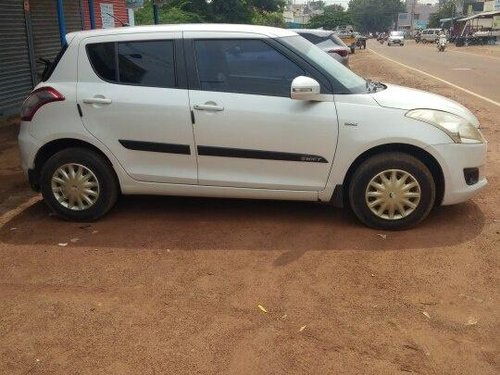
149	63
244	66
143	63
344	80
313	38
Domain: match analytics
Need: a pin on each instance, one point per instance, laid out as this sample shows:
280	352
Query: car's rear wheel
78	184
392	191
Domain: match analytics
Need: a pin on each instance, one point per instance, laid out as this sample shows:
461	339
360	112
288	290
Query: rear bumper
28	147
457	160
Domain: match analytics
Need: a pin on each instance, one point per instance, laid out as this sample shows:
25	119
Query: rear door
133	96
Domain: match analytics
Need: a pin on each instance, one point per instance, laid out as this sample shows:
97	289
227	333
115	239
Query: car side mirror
305	88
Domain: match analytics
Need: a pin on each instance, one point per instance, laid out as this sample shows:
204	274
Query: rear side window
142	63
244	66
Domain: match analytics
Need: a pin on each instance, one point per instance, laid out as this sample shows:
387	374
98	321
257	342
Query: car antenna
124	24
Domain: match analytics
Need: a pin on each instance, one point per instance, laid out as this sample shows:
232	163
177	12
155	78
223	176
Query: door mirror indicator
305	88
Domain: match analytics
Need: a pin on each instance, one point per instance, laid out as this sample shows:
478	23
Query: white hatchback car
239	111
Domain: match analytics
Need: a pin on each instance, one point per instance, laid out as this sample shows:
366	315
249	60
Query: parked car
396	37
430	35
328	42
239	111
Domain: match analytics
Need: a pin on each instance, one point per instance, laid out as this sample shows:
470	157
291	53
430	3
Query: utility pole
156	13
412	15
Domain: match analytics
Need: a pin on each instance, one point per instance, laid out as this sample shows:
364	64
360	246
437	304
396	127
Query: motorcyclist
442	40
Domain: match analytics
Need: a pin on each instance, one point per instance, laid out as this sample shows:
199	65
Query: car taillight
37	99
341	52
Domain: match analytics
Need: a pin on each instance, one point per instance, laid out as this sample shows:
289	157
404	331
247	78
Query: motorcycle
441	44
418	38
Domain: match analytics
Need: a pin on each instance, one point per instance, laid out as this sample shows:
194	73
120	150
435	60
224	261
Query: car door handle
208	107
97	100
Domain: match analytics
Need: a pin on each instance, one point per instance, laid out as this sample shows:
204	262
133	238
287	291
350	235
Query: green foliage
264	12
168	14
446	10
333	16
374	15
268	19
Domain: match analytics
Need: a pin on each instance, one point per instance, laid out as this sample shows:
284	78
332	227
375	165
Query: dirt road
172	286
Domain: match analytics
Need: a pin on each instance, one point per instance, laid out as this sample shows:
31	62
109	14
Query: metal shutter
73	15
15	72
46	40
45	31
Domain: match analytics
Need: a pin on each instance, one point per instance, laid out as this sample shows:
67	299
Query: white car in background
239	111
396	37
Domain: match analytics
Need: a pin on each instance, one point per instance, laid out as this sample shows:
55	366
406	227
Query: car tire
397	180
78	184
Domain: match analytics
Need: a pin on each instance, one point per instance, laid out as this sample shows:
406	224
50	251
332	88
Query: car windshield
344	76
397	33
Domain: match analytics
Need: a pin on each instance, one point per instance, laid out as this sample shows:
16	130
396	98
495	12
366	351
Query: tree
223	11
333	16
317	5
268	19
446	10
374	15
171	12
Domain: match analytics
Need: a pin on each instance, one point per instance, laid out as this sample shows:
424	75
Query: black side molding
168	148
258	154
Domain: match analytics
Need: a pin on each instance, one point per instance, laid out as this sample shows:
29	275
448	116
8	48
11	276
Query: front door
248	131
134	100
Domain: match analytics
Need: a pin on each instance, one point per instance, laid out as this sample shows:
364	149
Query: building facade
35	29
421	14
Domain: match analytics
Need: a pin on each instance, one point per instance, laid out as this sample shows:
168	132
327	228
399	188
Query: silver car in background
396	37
328	42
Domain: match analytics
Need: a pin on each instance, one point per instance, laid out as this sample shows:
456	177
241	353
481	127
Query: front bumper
457	160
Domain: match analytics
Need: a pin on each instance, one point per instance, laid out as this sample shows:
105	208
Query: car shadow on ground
174	223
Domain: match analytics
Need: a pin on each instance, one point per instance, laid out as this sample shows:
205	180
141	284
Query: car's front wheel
78	184
392	191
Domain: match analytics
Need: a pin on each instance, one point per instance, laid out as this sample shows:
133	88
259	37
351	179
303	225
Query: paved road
479	74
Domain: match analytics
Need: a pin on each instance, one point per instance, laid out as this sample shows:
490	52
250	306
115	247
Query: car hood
396	37
406	98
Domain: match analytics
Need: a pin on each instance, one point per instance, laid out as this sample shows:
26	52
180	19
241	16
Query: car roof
271	32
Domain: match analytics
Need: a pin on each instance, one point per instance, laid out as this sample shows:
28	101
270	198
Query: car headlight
459	129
